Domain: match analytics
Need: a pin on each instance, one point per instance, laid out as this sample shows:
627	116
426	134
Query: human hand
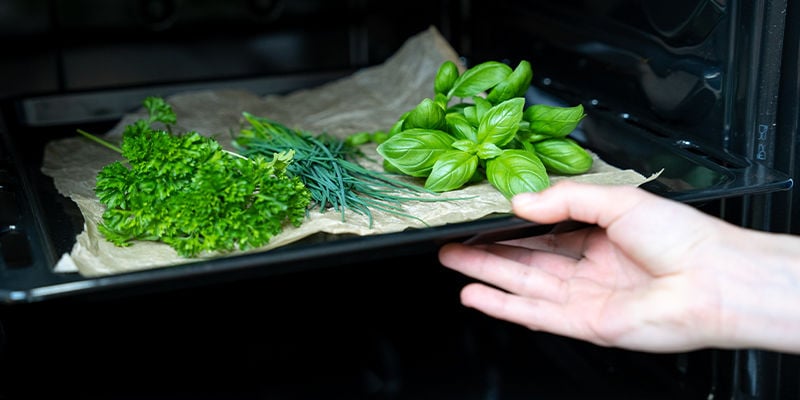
652	274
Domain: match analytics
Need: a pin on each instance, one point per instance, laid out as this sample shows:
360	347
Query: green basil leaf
451	171
517	171
471	114
460	128
442	101
398	126
479	78
524	134
358	139
426	115
458	108
390	168
466	145
563	156
515	84
414	151
445	77
486	151
500	123
379	137
482	106
552	120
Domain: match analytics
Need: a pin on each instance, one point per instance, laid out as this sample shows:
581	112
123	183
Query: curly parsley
186	191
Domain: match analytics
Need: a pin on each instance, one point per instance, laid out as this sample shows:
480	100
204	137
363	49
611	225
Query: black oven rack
37	224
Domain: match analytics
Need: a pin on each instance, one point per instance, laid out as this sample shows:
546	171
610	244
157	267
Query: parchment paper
369	100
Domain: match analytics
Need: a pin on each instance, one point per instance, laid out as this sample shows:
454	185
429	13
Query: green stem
100	141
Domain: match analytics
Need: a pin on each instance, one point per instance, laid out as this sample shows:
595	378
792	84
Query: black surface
362	331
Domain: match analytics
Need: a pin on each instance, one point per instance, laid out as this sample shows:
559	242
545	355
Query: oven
698	96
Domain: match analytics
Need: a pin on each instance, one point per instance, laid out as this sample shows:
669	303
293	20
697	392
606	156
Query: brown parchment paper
370	99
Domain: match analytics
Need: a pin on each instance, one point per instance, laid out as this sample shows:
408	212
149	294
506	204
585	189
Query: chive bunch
328	167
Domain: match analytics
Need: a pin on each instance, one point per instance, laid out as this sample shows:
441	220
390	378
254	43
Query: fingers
552	263
658	234
570	244
508	274
536	314
594	204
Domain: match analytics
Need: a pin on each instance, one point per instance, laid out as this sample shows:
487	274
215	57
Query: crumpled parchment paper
371	99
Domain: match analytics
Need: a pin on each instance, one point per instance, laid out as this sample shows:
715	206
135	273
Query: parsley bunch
186	191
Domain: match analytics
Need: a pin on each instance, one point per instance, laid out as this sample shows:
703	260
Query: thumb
590	203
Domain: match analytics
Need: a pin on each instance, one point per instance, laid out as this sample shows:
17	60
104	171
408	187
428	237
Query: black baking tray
38	224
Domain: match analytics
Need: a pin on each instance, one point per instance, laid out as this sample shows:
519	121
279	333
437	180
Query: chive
328	168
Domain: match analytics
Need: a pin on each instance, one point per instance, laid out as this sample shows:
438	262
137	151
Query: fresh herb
329	167
493	137
186	191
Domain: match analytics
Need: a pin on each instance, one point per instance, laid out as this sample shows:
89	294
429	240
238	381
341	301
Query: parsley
188	192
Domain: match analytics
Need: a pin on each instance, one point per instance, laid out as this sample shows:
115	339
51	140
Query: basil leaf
471	114
552	120
515	85
357	139
563	156
414	151
398	126
379	137
479	78
525	135
441	100
445	77
517	171
451	171
458	108
486	151
458	126
466	146
426	115
481	106
390	168
500	123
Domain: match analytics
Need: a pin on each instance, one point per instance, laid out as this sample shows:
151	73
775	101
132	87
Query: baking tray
38	224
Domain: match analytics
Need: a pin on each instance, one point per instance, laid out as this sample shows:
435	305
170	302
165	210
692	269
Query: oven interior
705	89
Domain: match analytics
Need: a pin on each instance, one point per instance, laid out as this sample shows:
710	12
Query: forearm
760	291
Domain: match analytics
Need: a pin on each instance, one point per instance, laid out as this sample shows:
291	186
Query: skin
650	274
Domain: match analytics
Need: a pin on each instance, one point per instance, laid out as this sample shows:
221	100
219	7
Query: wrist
760	305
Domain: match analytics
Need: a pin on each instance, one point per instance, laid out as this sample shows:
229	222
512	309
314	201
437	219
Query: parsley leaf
188	192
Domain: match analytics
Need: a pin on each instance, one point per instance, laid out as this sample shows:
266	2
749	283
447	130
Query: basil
465	145
459	127
488	151
479	78
500	123
451	171
517	171
491	137
445	77
563	156
414	151
427	115
515	84
553	121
